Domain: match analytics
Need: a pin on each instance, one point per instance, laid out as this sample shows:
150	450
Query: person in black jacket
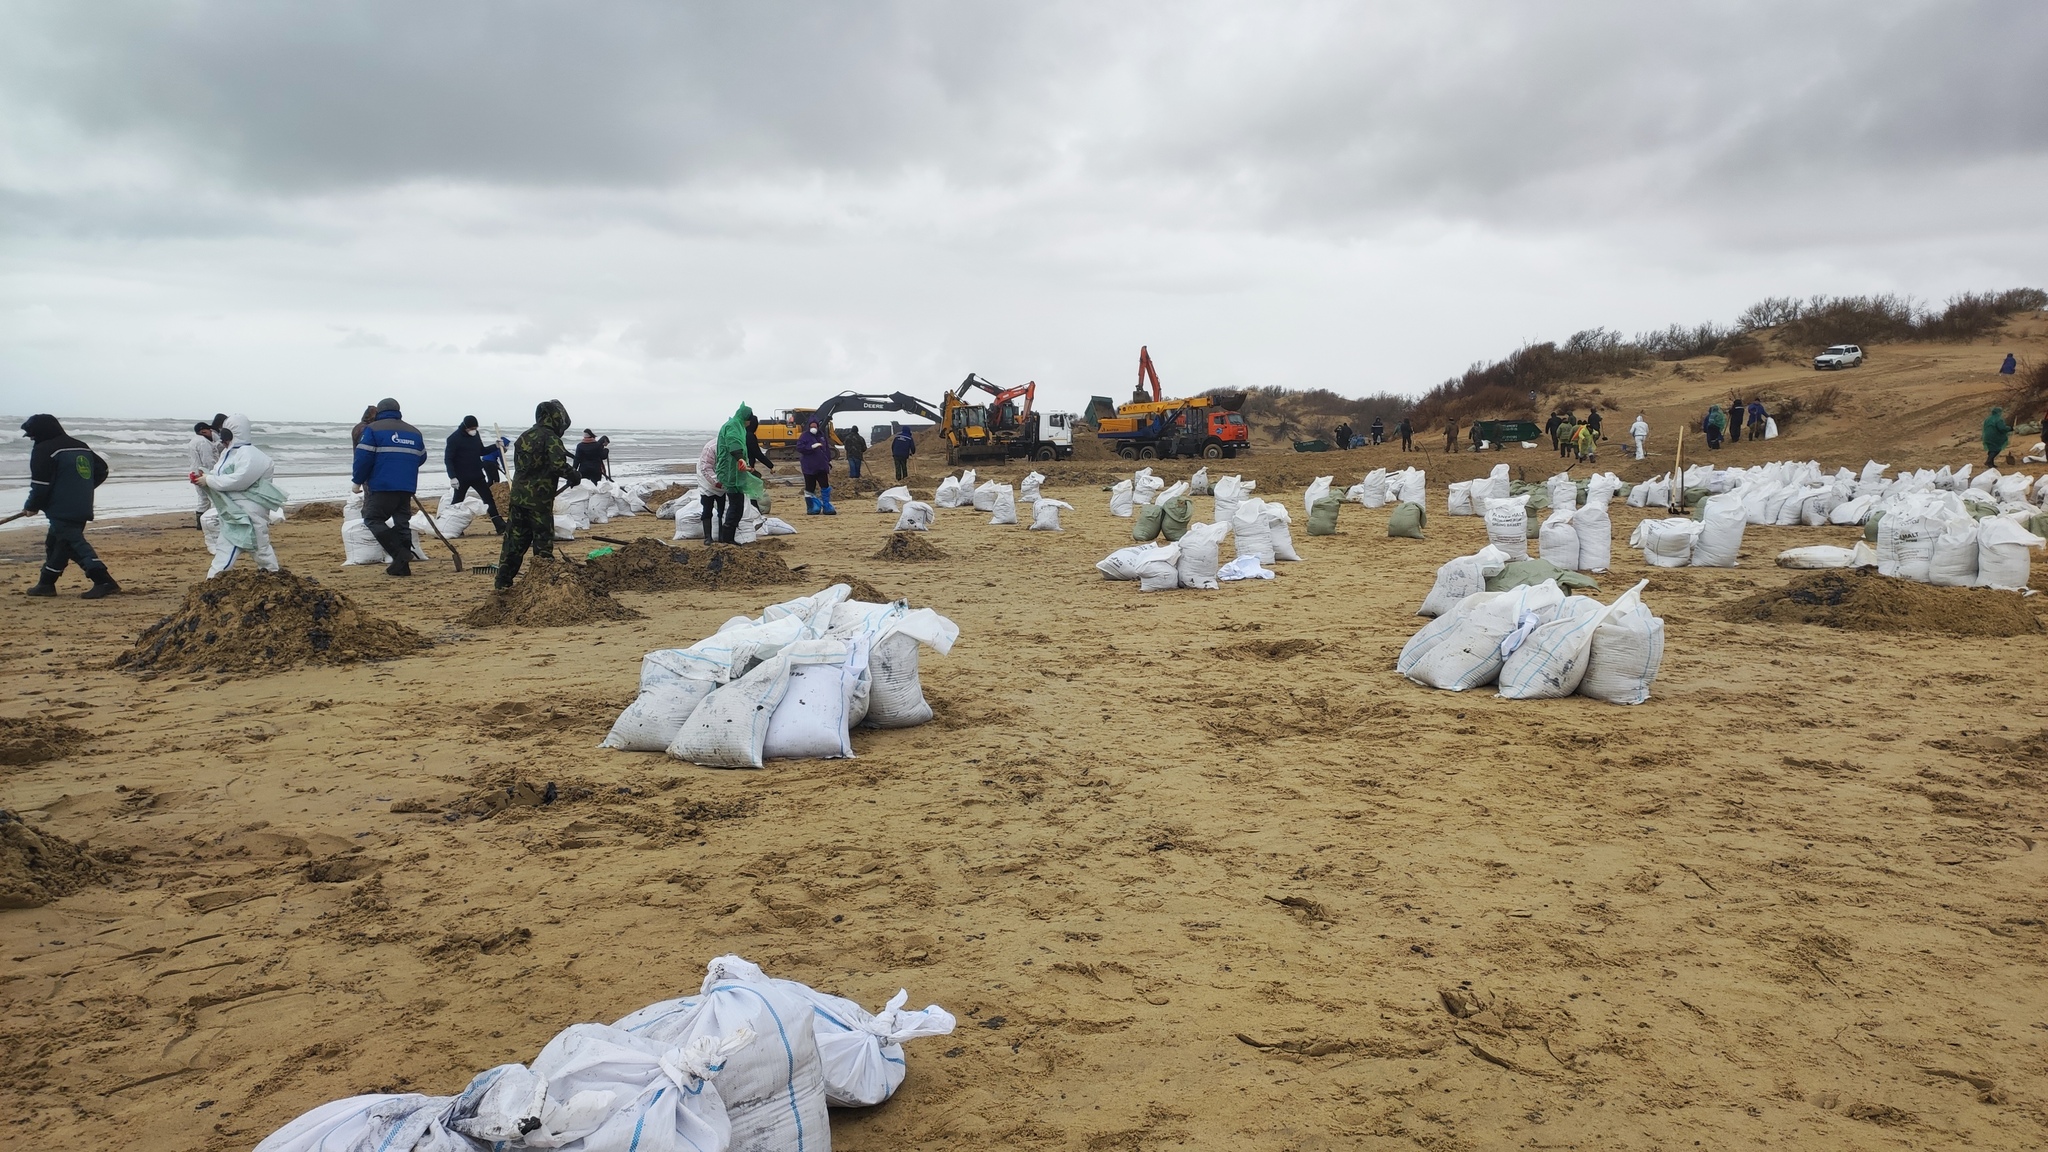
62	473
590	457
464	459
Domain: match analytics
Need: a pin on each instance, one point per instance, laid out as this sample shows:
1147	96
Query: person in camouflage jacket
538	461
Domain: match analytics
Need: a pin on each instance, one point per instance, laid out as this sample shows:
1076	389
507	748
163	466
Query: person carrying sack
463	457
736	450
62	474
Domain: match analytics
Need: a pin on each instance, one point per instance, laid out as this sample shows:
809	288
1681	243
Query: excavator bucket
1229	401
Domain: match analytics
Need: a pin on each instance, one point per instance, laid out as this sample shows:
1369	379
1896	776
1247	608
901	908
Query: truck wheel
1147	453
1212	451
1127	452
1043	454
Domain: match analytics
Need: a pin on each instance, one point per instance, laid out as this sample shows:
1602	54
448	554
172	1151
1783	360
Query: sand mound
319	510
549	596
911	547
32	740
640	566
1866	602
660	496
741	566
245	619
37	867
862	590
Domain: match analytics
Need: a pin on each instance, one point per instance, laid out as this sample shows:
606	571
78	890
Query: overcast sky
654	210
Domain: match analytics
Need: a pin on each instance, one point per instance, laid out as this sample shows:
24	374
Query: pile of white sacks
1570	536
749	1064
687	511
1381	487
1260	531
1934	526
575	511
789	684
1536	642
999	500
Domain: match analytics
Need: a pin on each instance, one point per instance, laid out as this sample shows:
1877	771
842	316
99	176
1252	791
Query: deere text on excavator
1002	428
1162	428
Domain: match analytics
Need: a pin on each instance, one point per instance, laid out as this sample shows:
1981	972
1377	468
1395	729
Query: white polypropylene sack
1564	493
1905	543
573	505
1558	542
1458	499
894	633
2002	553
1004	506
1159	571
948	495
1507	525
892	500
1628	648
1249	531
1815	556
1277	530
1460	577
1027	490
1461	648
1243	568
1770	428
1595	533
1045	514
565	528
984	498
729	728
1120	500
775	526
1229	490
815	717
1200	555
672	683
773	1089
1551	662
1372	490
1317	489
360	545
690	525
916	517
1720	538
1198	484
1126	563
1666	543
1145	487
1953	563
861	1055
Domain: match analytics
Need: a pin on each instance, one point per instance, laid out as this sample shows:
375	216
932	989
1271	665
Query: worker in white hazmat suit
243	496
202	452
1640	430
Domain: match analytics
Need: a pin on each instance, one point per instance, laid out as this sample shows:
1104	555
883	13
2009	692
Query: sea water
146	462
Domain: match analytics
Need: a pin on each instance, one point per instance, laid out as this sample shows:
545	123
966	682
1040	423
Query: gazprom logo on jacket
84	467
402	439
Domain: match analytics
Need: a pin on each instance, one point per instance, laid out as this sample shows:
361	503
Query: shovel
16	516
437	533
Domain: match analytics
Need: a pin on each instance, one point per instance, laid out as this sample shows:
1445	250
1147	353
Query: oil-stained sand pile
37	867
247	620
651	566
1864	601
317	511
548	595
910	547
32	740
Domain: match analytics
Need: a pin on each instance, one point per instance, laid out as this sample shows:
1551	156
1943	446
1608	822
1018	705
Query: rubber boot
825	502
43	587
811	503
497	523
102	585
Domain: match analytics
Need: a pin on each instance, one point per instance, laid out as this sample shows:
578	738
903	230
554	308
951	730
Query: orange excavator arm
1148	375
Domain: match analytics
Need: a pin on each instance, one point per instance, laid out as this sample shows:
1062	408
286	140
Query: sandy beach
1192	868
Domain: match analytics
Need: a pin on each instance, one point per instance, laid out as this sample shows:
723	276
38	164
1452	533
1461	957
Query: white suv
1839	356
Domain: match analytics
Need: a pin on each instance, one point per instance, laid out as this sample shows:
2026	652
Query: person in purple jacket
1757	416
814	457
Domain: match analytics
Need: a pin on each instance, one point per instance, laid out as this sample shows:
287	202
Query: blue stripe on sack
894	1060
642	1121
827	1015
788	1052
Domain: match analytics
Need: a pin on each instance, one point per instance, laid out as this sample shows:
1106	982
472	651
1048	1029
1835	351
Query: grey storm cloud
665	202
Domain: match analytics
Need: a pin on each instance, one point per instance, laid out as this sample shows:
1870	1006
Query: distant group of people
1348	438
1719	425
1571	436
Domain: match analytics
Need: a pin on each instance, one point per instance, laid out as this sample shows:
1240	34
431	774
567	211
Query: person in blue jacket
1757	416
2011	365
388	460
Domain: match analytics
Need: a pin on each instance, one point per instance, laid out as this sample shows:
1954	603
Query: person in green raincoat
1997	430
735	473
538	462
243	497
1715	426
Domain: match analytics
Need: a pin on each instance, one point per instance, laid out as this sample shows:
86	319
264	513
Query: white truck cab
1059	428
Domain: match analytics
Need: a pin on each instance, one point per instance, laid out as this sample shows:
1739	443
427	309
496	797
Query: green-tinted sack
1322	519
1173	522
1407	521
1535	570
1870	527
1146	523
